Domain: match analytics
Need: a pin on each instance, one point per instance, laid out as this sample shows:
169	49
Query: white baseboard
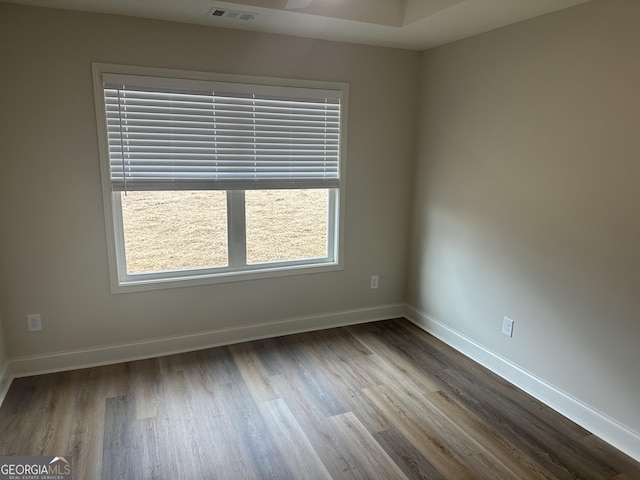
108	354
601	425
5	381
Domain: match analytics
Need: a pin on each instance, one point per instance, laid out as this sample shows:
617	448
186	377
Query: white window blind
184	134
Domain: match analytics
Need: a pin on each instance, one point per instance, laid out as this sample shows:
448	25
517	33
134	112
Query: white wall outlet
34	322
507	327
374	281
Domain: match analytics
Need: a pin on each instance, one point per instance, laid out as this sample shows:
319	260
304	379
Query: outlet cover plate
34	322
507	327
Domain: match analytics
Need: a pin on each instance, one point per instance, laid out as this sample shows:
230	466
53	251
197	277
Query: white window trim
121	282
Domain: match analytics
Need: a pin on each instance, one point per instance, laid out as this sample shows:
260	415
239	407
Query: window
211	178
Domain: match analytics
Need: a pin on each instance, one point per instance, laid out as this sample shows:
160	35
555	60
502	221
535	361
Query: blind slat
174	134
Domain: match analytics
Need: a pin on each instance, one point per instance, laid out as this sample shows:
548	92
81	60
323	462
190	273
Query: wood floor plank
412	462
319	432
53	425
267	351
452	436
450	464
337	366
377	400
146	387
343	345
187	437
606	453
542	441
371	460
34	416
267	460
490	437
154	455
253	371
223	453
115	380
86	451
347	381
20	394
302	459
117	456
87	432
16	435
295	363
392	362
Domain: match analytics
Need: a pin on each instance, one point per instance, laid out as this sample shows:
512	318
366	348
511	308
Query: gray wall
3	349
4	372
52	248
527	194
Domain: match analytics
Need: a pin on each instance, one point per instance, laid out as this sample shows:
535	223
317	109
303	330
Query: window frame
123	282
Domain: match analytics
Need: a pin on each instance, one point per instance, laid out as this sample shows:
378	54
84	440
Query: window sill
190	279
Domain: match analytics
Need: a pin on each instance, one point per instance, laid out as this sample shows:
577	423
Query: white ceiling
412	24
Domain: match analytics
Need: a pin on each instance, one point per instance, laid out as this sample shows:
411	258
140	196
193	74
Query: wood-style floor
381	400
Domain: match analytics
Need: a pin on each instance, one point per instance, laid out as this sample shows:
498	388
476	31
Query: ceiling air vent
232	14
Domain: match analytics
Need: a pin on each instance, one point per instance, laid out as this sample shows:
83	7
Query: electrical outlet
34	322
507	327
374	281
